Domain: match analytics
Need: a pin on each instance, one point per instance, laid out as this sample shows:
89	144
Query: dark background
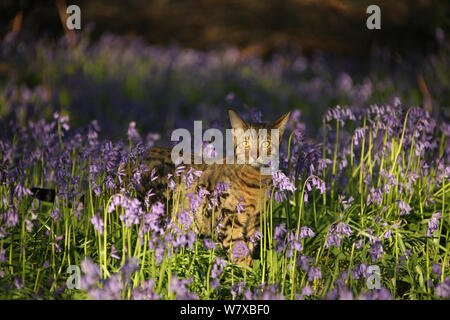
257	27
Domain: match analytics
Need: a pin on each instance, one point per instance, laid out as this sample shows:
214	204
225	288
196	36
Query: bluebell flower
404	207
336	233
263	292
240	206
314	274
255	237
437	269
307	290
145	291
433	223
218	267
443	289
237	289
377	294
279	236
178	287
209	244
240	250
98	224
376	248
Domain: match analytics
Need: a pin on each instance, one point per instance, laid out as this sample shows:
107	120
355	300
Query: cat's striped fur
246	184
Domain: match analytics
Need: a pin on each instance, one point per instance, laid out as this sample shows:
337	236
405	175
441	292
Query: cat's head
254	146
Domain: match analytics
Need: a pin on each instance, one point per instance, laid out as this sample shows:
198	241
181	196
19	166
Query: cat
235	217
246	188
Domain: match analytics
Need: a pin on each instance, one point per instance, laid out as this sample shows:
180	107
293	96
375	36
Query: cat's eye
265	144
246	143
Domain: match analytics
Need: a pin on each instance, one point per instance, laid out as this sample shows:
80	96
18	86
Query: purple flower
20	191
236	289
279	196
133	134
185	219
306	232
304	262
307	290
336	233
3	233
317	183
282	182
345	294
433	223
190	175
147	198
171	184
2	255
178	287
55	214
240	250
209	244
133	209
339	114
387	234
92	274
114	252
360	271
110	288
18	283
203	193
77	210
98	224
262	292
359	243
12	217
153	220
314	273
179	170
195	201
145	291
221	188
375	195
255	237
240	205
215	284
404	207
218	268
437	269
62	120
376	249
359	135
279	237
130	266
159	254
377	294
294	243
443	289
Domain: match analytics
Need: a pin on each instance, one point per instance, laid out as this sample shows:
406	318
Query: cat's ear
236	121
280	124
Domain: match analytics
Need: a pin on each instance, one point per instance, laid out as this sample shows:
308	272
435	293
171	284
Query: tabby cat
230	223
235	216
